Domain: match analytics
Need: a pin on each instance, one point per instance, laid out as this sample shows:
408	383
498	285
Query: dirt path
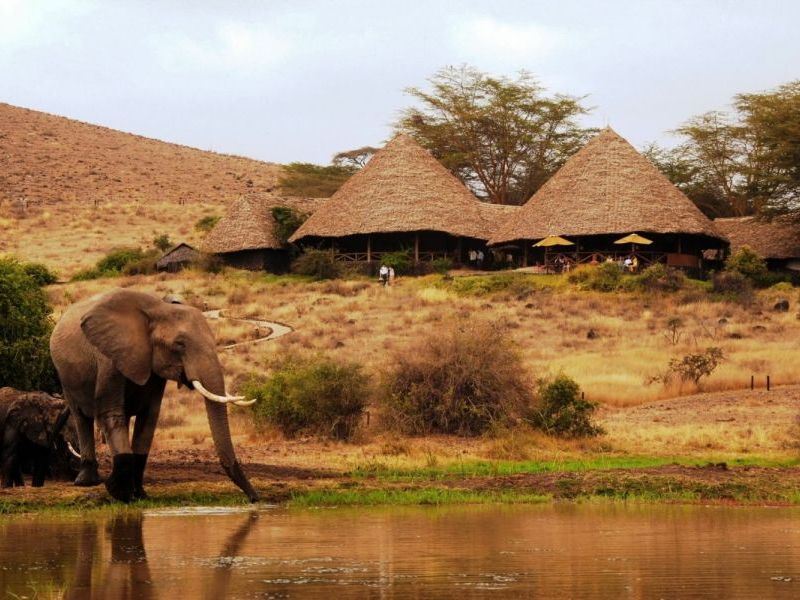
276	329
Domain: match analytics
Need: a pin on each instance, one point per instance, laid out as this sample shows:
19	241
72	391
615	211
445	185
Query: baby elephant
35	435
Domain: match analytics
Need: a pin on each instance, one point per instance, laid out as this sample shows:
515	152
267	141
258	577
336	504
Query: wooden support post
752	381
416	246
369	248
524	254
767	382
459	249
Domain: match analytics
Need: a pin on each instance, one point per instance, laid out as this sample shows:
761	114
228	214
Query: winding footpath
276	329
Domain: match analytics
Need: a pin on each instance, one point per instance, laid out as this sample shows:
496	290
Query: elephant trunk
221	434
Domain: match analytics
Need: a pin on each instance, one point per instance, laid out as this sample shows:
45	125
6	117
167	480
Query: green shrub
516	284
162	242
142	266
41	274
561	411
400	261
121	261
206	224
661	278
692	367
441	265
605	277
747	263
312	395
464	380
25	327
287	221
318	264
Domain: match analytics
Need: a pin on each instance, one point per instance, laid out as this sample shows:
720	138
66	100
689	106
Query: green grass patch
503	468
425	496
519	284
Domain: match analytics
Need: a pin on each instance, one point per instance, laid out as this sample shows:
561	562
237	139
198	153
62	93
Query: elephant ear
120	329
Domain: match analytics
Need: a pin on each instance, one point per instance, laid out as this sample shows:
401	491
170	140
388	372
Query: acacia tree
357	158
503	138
745	163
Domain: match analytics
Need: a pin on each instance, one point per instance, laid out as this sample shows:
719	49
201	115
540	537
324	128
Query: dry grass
368	324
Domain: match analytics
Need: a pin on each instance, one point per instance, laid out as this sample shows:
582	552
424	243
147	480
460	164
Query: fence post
752	381
767	382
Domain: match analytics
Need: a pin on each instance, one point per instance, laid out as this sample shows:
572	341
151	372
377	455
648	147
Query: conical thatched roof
607	187
248	224
403	188
778	238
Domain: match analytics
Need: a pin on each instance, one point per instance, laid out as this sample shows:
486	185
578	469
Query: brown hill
71	191
53	159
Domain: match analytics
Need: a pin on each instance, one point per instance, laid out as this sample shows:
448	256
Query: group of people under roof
630	264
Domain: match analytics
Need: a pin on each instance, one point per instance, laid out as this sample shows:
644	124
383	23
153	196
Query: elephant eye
179	344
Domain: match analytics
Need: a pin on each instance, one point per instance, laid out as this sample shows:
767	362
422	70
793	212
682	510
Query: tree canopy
314	181
502	137
742	163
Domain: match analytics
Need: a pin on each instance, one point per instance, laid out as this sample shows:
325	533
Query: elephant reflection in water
127	576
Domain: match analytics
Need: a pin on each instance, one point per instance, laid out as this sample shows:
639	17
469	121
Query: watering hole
547	551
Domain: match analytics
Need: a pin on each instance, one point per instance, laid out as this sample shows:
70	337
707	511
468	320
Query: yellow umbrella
553	240
634	238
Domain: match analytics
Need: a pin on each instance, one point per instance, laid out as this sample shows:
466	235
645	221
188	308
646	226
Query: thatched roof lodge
402	199
246	238
603	192
177	258
776	240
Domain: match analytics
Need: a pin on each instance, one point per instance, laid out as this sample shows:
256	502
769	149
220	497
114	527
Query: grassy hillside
87	188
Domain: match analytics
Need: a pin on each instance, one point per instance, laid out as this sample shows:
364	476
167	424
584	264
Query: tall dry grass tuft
464	380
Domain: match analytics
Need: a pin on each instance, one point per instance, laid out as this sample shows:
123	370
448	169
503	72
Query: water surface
543	551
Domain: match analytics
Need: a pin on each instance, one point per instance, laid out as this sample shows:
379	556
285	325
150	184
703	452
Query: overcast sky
301	80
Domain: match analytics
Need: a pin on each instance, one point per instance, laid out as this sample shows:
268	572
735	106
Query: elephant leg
84	426
143	431
87	475
40	463
111	415
12	474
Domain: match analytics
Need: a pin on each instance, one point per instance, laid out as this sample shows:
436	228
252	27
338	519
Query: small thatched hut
776	240
403	199
602	193
177	258
246	236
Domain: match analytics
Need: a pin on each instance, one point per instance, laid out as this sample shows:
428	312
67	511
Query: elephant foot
88	475
139	462
120	483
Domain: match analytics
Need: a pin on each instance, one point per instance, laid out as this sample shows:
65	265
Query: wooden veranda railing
424	256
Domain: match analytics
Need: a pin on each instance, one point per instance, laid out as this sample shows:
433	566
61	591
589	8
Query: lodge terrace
603	193
404	199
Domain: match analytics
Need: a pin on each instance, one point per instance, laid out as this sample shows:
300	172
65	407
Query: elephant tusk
215	397
245	402
73	451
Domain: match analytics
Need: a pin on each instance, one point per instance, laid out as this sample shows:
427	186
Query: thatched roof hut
402	190
246	237
777	240
608	189
177	258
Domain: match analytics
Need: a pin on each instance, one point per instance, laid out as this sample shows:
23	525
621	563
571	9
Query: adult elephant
114	354
35	434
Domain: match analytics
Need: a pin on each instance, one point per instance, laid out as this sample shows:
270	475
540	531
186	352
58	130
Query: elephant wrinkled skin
114	354
35	431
